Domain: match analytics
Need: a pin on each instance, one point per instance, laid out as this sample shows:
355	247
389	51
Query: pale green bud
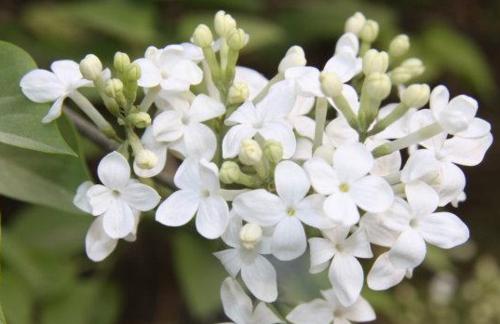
399	46
375	62
91	67
355	23
378	85
400	75
414	66
330	84
416	95
121	62
237	39
139	119
229	172
273	151
224	24
133	72
113	87
369	32
146	159
202	36
250	235
238	93
294	57
250	152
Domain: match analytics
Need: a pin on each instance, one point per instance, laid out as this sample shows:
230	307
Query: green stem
149	98
278	77
396	114
345	109
320	118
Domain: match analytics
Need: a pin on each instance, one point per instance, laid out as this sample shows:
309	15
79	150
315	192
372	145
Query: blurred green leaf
16	299
20	122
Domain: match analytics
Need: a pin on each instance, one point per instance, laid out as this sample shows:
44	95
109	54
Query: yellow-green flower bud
139	119
224	24
121	62
330	84
91	67
414	66
273	151
133	72
294	57
399	46
375	62
416	95
229	172
250	152
369	32
355	23
202	36
237	39
238	93
400	75
378	86
146	159
250	235
113	87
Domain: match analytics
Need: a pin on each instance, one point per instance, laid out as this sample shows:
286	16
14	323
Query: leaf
20	119
40	178
16	299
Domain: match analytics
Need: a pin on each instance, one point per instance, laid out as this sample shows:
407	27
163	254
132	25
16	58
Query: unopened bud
133	72
146	159
224	23
399	46
375	62
91	67
378	85
414	66
355	23
273	151
139	119
202	36
250	152
250	235
330	84
237	39
238	93
113	87
400	75
294	57
229	172
121	62
416	95
369	32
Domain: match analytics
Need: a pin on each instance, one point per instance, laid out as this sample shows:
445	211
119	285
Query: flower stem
396	114
278	77
320	118
149	98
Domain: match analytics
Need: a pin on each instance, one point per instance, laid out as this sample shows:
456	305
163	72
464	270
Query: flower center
339	247
115	193
291	211
344	187
205	193
413	222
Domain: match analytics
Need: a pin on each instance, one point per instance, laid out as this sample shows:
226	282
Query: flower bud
369	32
294	57
202	36
238	93
121	62
250	235
229	172
399	45
91	67
113	87
378	85
133	73
330	84
416	95
139	119
355	23
146	159
400	75
375	62
224	23
273	151
237	39
414	66
250	152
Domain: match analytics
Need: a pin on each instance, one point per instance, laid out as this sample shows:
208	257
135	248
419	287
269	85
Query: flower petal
360	311
467	151
260	278
383	275
443	229
212	217
118	220
114	171
352	161
167	126
140	196
317	311
321	251
204	108
178	209
237	305
289	239
323	178
422	199
233	138
372	194
253	79
264	315
260	207
344	64
409	250
231	261
310	212
282	132
342	209
150	73
55	111
98	244
42	86
200	141
81	199
346	277
291	182
99	198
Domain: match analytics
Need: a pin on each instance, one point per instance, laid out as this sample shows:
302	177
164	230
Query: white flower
384	275
329	310
184	130
158	148
173	68
44	86
255	81
347	184
345	273
238	306
419	224
199	193
119	197
287	210
267	118
257	272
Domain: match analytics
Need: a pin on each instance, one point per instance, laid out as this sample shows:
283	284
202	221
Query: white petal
245	114
232	234
347	42
212	217
352	161
167	126
99	198
317	311
253	79
260	207
260	278
346	276
443	229
81	199
159	149
140	196
342	209
360	311
323	178
174	84
307	80
376	231
310	212
231	260
98	244
358	245
55	111
42	86
467	151
237	305
114	171
344	64
118	220
477	128
187	71
408	251
264	315
289	239
200	141
451	183
233	138
422	199
383	275
204	108
283	133
372	194
178	209
68	72
150	74
279	101
187	175
291	182
419	164
209	176
321	251
304	126
439	99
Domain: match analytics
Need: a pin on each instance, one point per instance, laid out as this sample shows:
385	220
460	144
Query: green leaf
41	178
16	299
20	119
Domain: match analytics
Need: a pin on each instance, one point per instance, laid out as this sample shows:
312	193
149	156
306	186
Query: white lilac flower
173	68
348	185
255	81
45	86
345	272
183	129
158	148
384	275
419	223
287	210
267	118
238	306
329	310
199	193
247	245
119	197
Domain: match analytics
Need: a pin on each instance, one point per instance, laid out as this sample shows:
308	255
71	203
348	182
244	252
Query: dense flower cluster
330	160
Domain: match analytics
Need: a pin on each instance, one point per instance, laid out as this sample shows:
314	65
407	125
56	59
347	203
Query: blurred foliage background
169	275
